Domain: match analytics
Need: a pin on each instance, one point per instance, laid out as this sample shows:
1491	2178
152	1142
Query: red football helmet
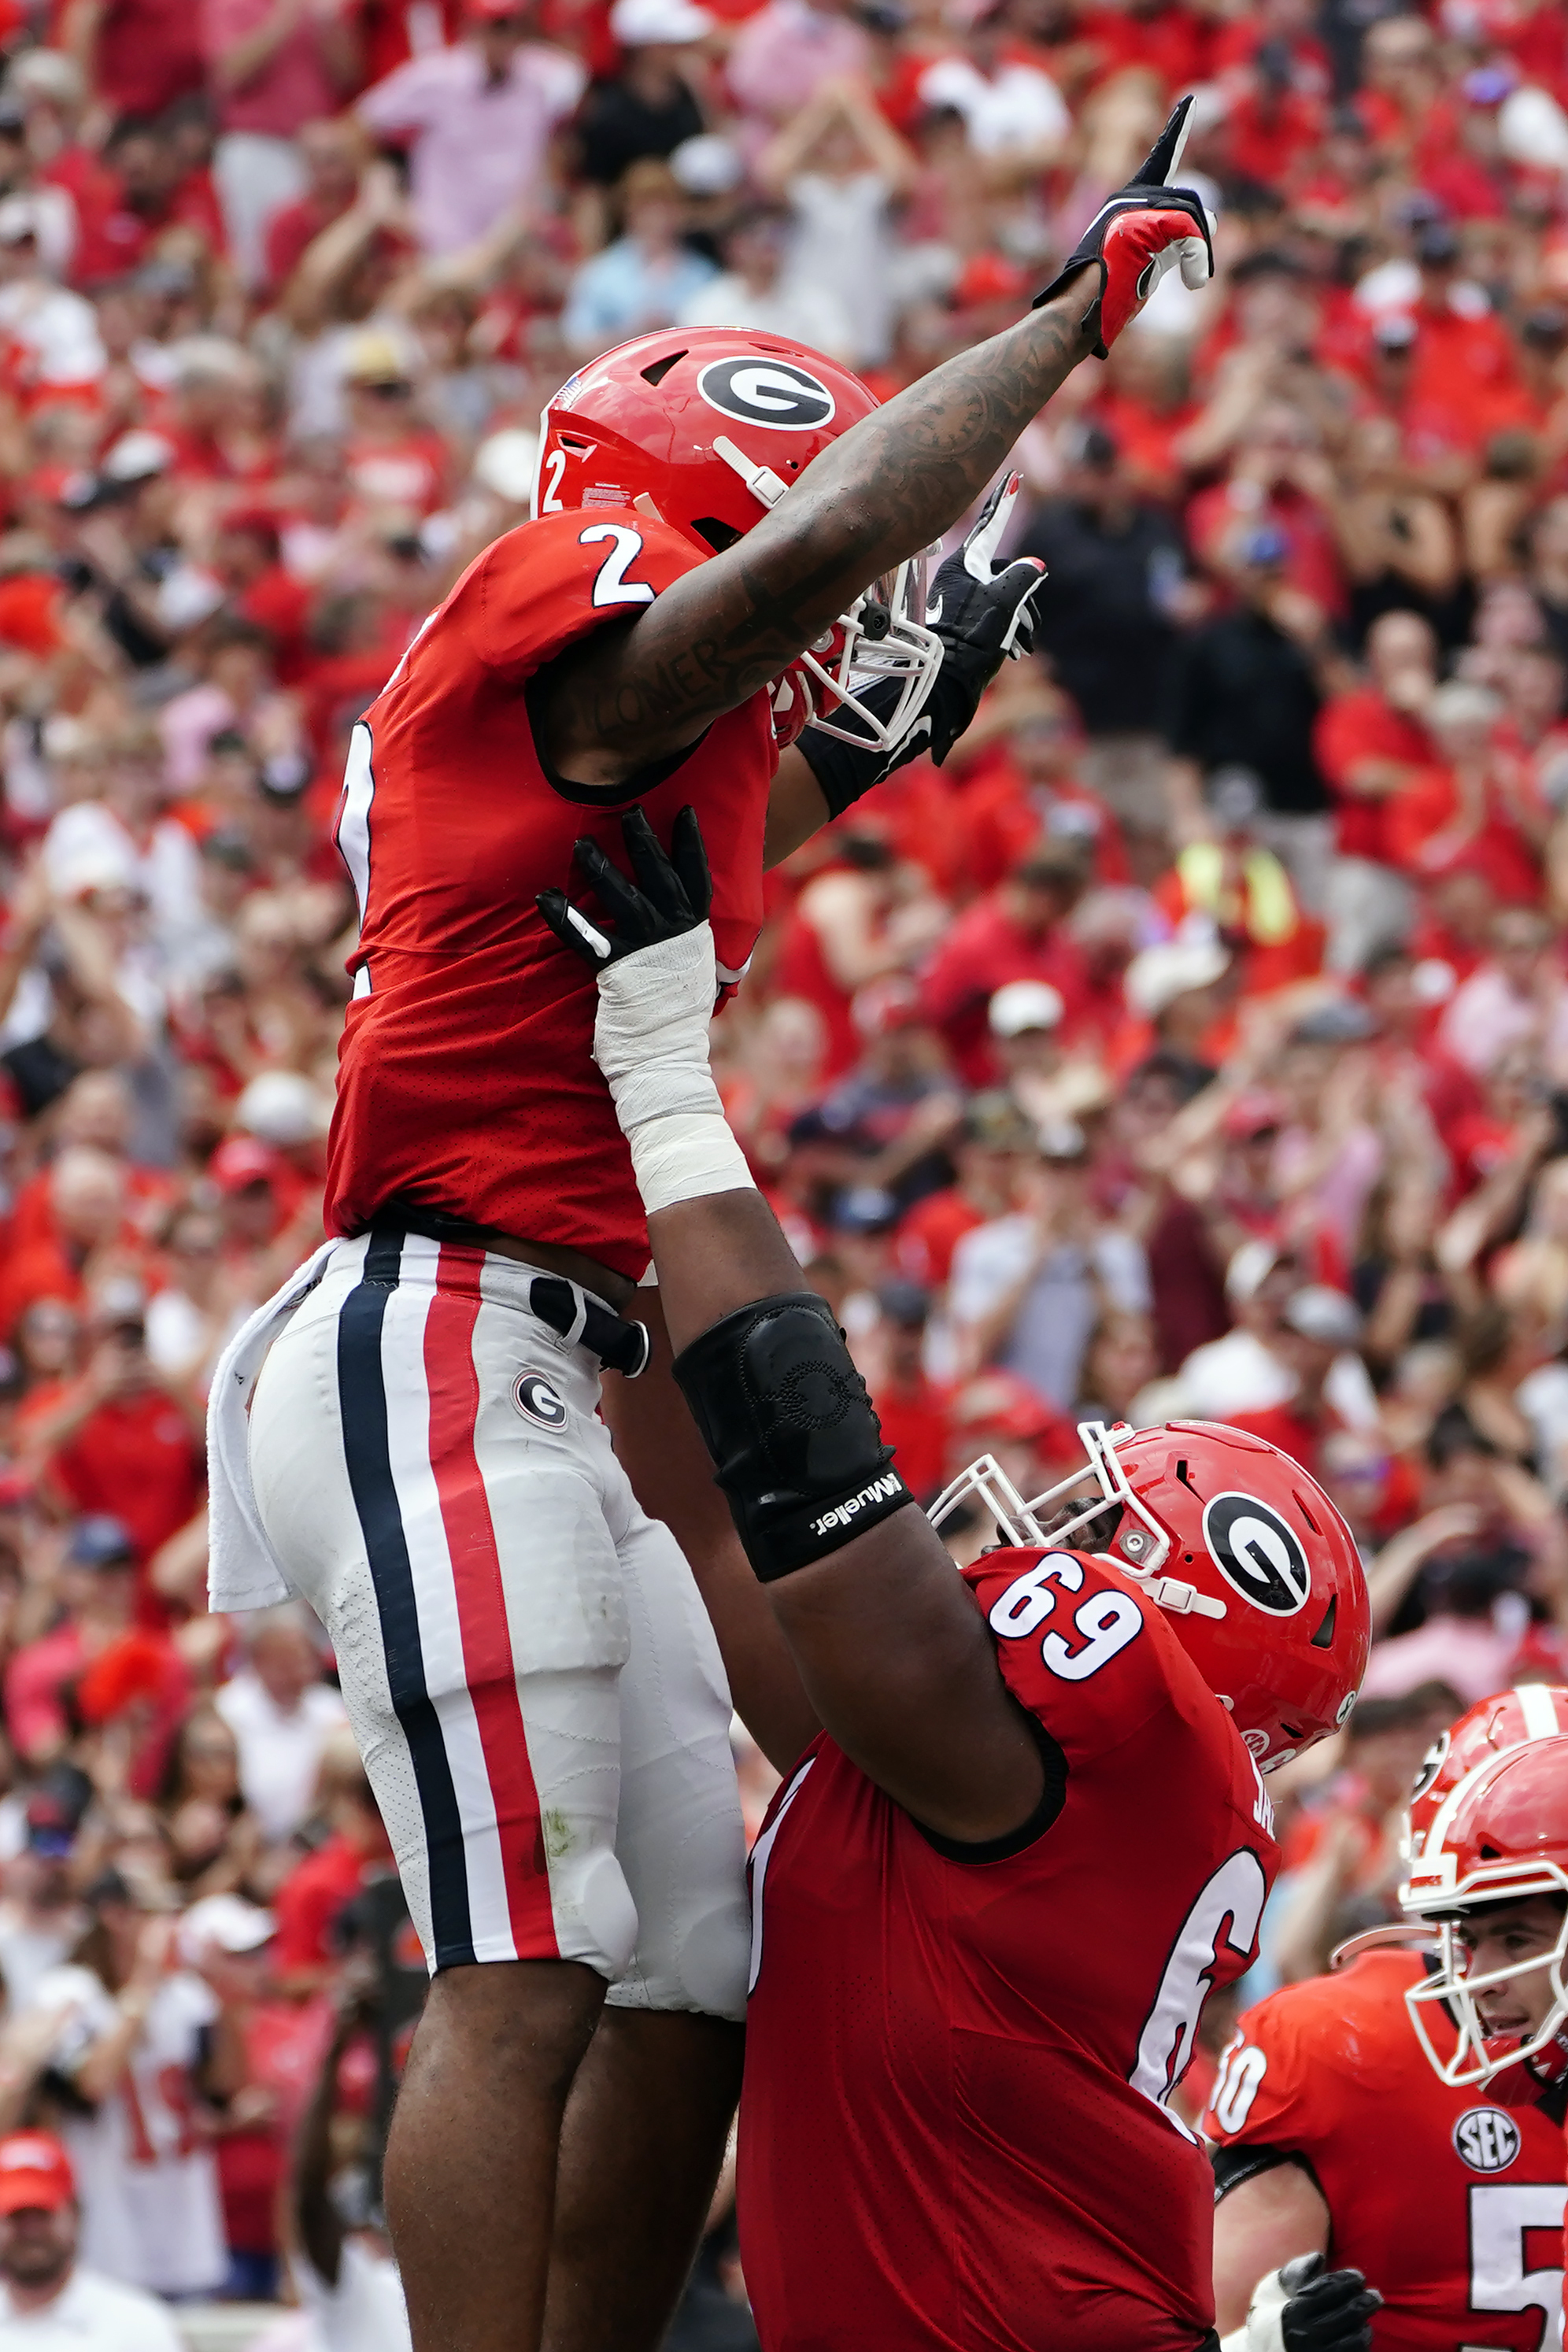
706	428
1238	1543
1499	1835
1508	1719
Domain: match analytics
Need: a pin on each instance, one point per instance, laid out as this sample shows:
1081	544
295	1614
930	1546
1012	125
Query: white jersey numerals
1241	2070
761	1853
612	586
1228	1912
1107	1621
1500	2217
354	830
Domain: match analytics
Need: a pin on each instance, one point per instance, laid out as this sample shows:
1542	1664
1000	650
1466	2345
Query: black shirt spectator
1111	560
649	108
1243	694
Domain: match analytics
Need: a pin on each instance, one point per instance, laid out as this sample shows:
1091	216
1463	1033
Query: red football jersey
1449	2202
465	1082
953	2127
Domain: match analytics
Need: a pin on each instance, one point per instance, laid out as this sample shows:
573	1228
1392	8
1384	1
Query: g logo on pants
536	1399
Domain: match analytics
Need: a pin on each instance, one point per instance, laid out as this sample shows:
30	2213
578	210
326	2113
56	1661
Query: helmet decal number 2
773	393
1257	1553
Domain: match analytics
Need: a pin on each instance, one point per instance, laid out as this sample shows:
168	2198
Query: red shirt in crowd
147	54
1311	562
1002	817
1173	42
917	1423
929	1235
986	948
309	1903
137	1460
1356	727
1428	831
291	231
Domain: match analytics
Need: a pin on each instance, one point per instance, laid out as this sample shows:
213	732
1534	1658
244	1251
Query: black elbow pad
797	1446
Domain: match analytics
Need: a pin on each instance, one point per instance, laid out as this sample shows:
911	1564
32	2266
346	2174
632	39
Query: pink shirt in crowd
477	146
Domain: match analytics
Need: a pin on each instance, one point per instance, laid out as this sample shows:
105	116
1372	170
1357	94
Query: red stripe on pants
488	1661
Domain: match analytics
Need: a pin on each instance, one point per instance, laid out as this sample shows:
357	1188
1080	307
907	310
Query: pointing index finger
1163	162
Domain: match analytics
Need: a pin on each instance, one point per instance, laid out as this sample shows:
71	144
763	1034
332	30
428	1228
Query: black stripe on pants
362	1396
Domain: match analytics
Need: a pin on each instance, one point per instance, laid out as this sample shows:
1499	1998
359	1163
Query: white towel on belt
243	1569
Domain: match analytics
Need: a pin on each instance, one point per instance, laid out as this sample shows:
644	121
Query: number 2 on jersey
1107	1621
612	586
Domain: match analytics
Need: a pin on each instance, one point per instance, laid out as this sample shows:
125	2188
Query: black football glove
670	893
1145	228
1326	2311
982	616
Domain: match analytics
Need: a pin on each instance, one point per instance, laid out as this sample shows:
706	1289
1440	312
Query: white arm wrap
1262	2330
650	1039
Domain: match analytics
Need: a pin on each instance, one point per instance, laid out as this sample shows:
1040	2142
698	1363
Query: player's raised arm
867	504
893	1654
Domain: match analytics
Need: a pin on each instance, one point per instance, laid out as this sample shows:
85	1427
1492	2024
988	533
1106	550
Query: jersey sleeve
1264	2093
550	581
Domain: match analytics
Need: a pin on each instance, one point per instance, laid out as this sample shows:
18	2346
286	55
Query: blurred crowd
1195	1043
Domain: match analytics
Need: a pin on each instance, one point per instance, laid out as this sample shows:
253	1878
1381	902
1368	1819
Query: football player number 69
1107	1621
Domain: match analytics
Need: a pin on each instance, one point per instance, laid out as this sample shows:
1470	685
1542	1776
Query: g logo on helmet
539	1401
1486	2139
774	393
1257	1553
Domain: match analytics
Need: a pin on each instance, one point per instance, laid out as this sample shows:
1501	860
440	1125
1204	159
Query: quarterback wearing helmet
1331	2134
1492	1879
730	541
991	1897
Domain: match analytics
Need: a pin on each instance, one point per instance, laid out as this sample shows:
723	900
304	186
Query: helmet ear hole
656	373
1324	1635
719	535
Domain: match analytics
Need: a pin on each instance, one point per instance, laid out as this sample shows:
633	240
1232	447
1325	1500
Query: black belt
622	1345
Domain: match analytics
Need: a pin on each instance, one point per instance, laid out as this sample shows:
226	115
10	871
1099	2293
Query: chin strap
1180	1599
766	486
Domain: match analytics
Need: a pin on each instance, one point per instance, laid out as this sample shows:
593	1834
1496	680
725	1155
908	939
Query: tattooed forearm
896	481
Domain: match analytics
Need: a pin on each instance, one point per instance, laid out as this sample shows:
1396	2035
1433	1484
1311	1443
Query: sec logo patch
539	1401
1257	1553
773	393
1486	2139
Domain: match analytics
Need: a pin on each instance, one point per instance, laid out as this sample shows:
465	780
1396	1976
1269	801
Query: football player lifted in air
729	539
1332	2134
991	1898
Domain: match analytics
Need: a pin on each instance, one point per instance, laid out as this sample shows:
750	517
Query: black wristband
846	771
